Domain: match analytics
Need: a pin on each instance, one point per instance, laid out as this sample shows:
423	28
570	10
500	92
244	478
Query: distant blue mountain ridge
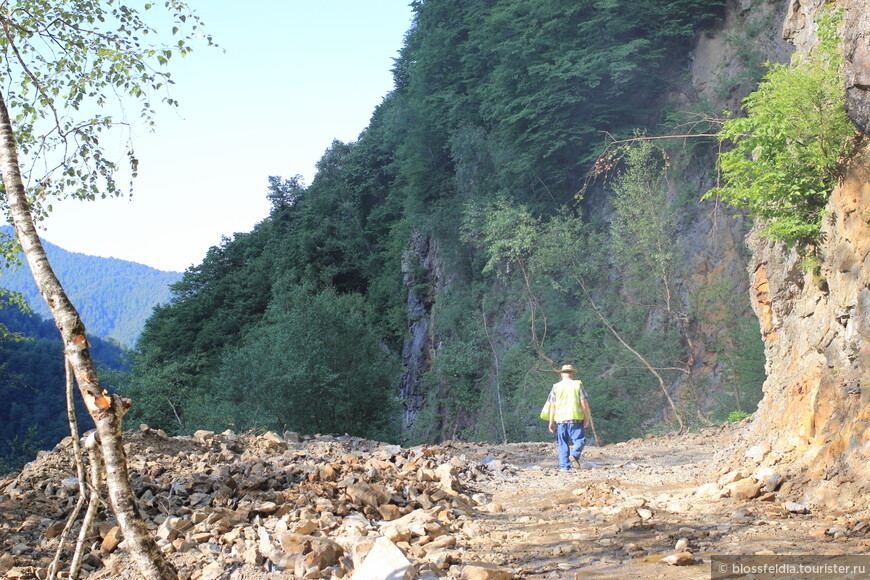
114	297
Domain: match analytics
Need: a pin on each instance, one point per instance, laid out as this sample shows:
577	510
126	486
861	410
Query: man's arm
551	404
552	425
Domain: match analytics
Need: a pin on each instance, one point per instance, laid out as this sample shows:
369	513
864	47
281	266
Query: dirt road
635	504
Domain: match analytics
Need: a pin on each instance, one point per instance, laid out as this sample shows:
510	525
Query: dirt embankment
264	506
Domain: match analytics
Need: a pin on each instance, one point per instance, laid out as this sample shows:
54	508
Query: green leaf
787	152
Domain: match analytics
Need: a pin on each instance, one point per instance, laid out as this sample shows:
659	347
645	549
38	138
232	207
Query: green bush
789	148
736	416
313	365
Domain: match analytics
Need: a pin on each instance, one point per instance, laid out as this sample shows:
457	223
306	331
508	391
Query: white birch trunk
106	410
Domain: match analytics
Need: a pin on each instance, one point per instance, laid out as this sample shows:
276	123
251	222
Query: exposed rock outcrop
422	275
800	29
816	320
816	327
856	46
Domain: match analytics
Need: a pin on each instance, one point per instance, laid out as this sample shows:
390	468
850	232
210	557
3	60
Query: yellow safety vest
566	394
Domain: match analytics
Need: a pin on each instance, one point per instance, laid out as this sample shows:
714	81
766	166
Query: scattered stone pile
256	506
263	505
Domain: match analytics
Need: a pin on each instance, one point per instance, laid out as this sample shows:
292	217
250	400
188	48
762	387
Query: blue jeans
568	434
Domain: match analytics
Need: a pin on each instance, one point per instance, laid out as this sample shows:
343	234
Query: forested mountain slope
114	296
33	415
489	225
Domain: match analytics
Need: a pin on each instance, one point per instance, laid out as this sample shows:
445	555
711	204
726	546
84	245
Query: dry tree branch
608	159
497	379
80	468
639	356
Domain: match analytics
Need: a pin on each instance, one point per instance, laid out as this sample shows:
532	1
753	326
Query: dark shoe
575	460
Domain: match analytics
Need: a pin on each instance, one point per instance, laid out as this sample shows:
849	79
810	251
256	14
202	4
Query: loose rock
385	560
681	559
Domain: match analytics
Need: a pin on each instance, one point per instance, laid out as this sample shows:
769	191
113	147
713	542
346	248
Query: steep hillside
32	382
535	191
114	297
491	225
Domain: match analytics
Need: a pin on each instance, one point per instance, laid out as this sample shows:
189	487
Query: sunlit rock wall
814	419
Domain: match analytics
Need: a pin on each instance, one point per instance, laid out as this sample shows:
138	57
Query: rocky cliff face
816	321
422	274
856	45
710	241
816	325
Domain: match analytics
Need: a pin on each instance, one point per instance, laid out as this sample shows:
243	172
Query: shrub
735	416
789	148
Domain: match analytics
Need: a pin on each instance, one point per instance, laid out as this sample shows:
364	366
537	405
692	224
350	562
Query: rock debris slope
265	506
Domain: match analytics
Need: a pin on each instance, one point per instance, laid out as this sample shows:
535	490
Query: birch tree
67	68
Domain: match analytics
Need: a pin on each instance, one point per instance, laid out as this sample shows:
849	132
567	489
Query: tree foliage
313	365
789	147
644	227
541	80
460	191
31	378
67	63
337	239
612	338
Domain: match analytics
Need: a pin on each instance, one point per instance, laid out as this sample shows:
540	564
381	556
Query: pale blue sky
295	75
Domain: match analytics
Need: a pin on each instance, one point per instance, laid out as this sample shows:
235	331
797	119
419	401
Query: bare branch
640	357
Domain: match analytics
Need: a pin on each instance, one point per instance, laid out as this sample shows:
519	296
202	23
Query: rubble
384	560
256	506
313	507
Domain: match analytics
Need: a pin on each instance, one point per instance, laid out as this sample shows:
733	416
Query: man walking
569	416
